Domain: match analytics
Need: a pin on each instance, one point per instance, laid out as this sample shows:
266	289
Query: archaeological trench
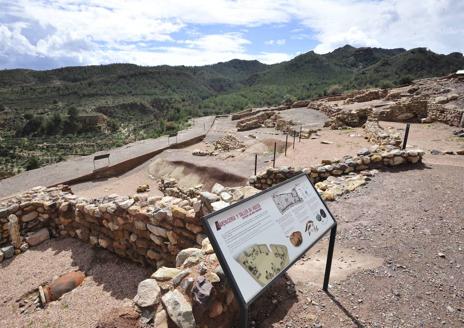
188	287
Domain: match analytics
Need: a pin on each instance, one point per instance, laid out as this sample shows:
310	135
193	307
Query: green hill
49	107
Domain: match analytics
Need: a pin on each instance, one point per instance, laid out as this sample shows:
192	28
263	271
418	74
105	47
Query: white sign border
222	259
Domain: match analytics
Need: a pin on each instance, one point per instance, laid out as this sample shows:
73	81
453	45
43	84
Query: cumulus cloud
44	34
436	24
279	42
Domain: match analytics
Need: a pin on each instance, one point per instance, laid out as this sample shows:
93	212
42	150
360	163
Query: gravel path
111	282
414	221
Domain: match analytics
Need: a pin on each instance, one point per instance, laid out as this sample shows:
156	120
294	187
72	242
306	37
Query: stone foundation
374	158
146	230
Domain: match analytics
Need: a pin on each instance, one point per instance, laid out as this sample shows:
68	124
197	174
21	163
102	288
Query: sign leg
244	317
328	265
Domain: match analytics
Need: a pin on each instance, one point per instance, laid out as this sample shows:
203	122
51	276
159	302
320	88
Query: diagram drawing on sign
262	263
286	200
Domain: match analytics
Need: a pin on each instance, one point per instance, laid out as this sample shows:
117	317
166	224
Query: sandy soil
413	221
111	282
312	151
435	136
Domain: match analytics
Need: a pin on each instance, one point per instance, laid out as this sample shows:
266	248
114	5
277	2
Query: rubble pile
367	95
228	143
426	101
255	121
374	158
349	118
194	293
406	109
253	111
334	187
170	187
378	135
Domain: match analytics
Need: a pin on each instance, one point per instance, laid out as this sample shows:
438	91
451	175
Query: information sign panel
260	237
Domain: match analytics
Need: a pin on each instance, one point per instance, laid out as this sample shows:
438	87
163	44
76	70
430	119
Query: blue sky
43	34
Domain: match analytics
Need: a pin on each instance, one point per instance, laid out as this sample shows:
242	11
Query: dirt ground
404	235
111	282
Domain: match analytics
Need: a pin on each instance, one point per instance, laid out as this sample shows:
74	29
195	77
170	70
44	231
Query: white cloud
436	24
43	33
279	42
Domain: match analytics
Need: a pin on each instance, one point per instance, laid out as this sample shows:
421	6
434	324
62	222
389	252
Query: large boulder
179	309
148	293
38	237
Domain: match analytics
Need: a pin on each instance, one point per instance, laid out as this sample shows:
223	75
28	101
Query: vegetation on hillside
47	116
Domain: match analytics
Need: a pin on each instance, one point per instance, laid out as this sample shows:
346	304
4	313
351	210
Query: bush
334	90
32	163
405	80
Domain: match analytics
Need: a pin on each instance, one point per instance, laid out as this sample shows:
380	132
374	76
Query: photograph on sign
262	236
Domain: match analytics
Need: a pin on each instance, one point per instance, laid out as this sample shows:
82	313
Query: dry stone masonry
189	287
426	101
374	158
149	230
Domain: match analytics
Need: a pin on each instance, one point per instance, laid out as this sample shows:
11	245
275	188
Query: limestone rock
217	188
148	293
13	229
206	247
178	212
226	196
219	205
38	237
179	309
158	231
164	273
186	253
126	203
161	319
29	216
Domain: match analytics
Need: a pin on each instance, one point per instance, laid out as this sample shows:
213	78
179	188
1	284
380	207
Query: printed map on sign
261	236
264	264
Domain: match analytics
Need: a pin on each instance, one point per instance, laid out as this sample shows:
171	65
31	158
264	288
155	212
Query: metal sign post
406	135
258	239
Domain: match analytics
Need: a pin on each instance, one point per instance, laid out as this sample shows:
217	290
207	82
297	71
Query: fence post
286	142
275	148
294	138
256	163
406	135
299	135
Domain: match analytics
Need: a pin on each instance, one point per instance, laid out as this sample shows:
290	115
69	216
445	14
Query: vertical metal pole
299	135
328	265
204	126
286	142
168	140
294	138
176	138
275	148
256	163
244	317
406	135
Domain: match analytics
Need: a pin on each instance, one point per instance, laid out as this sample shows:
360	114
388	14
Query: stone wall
149	230
440	113
374	158
378	135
